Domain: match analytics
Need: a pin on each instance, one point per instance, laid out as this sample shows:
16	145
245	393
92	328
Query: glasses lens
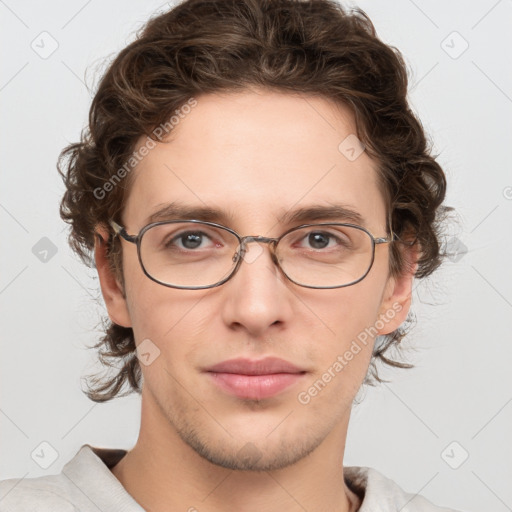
326	255
188	254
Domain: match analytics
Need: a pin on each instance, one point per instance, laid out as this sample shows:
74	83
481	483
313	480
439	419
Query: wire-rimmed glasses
194	254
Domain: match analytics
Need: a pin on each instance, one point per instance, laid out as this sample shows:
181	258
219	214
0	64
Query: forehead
257	156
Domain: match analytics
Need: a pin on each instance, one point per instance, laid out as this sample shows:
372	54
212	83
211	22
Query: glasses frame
242	244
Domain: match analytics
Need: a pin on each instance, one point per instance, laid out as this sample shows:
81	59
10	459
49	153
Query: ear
396	300
111	288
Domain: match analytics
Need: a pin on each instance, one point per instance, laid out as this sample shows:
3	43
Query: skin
253	154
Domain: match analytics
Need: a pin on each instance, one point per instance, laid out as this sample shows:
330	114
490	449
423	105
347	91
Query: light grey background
461	388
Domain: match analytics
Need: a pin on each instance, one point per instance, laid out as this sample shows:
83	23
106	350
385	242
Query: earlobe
111	289
398	295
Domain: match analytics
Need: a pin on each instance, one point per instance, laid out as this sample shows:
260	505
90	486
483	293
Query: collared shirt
87	484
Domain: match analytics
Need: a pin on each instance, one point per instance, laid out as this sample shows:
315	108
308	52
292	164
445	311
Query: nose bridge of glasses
261	239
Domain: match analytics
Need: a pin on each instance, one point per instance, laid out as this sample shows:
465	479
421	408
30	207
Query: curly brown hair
315	47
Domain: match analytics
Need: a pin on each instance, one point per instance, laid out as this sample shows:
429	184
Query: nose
257	297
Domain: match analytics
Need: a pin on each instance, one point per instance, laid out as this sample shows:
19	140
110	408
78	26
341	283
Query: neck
162	472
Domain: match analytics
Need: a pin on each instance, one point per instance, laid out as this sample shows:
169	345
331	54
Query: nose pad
240	252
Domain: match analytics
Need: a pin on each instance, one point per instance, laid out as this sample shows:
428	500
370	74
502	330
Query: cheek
175	321
164	314
341	352
155	310
342	314
342	323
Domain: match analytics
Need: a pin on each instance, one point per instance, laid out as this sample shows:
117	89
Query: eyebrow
322	212
177	211
313	213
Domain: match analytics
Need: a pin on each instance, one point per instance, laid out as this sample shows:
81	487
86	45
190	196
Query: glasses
193	254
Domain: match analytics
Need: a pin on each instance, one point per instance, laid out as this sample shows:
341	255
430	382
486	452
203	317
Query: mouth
255	379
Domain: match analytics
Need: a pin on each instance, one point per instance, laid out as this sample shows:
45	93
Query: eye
189	240
319	240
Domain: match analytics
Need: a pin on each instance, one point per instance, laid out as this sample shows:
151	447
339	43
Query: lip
255	379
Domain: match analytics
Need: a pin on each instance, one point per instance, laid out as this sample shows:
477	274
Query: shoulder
84	483
379	492
46	493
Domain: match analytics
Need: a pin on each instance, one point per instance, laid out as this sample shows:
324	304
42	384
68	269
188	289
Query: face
255	156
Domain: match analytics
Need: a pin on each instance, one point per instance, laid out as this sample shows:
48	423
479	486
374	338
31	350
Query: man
258	199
